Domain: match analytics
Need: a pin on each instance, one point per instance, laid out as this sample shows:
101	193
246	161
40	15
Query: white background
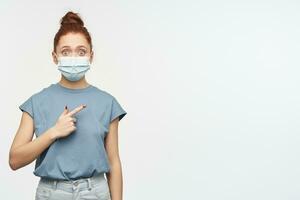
211	89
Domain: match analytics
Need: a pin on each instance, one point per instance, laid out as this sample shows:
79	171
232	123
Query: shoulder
42	93
116	110
30	104
103	94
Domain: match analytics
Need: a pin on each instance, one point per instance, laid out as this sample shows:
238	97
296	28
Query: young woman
76	124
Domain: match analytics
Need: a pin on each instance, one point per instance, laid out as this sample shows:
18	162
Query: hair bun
71	18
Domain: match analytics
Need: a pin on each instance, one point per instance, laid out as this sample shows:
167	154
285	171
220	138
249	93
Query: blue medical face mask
73	68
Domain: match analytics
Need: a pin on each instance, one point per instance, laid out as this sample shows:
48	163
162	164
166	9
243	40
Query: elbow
12	162
115	164
13	166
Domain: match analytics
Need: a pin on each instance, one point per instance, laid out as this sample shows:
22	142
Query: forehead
72	40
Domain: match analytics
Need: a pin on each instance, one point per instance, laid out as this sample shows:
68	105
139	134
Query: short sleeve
27	106
116	110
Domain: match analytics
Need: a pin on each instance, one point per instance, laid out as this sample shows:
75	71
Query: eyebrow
81	46
77	47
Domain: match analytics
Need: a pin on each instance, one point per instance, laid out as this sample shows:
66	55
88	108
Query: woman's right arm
24	150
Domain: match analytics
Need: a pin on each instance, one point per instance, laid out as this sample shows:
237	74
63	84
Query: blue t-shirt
80	154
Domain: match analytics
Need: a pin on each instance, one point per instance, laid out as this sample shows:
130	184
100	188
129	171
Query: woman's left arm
114	177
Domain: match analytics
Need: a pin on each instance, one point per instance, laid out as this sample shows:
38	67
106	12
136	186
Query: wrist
53	134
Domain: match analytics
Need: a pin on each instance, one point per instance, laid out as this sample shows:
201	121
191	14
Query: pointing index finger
76	110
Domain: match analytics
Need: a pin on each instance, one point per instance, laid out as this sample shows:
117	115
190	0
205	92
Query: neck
82	83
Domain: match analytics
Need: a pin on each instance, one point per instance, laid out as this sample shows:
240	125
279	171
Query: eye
82	52
65	52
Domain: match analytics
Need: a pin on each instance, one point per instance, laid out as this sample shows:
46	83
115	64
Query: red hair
71	22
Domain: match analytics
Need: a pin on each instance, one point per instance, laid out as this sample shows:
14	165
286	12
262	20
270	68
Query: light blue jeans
95	187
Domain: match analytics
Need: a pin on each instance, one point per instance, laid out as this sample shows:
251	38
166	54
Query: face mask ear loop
56	57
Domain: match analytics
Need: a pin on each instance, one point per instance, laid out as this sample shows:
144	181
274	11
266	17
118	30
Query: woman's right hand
65	123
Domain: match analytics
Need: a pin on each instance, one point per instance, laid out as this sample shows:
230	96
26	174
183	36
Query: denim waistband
71	185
